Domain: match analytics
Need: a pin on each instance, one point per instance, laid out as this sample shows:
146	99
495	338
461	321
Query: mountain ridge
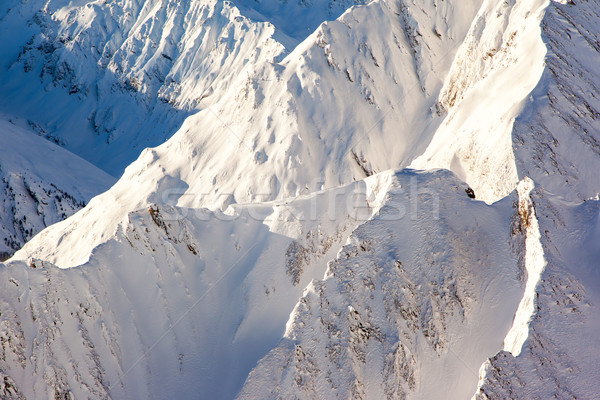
274	246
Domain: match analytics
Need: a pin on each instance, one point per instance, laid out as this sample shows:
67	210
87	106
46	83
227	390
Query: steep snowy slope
327	114
187	295
560	358
523	100
407	285
41	184
410	308
197	298
557	138
107	79
497	67
122	70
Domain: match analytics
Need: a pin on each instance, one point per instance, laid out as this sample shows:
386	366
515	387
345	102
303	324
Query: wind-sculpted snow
497	67
182	280
289	132
560	358
522	100
40	184
187	295
388	321
297	18
197	298
557	139
107	79
328	114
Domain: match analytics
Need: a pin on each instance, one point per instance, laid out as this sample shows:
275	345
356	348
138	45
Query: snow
560	357
556	139
177	291
389	318
534	266
215	158
263	239
495	71
41	183
107	79
522	101
24	151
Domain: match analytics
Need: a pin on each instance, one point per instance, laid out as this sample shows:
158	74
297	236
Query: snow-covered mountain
107	79
41	184
190	288
559	356
273	246
198	298
522	100
410	307
287	132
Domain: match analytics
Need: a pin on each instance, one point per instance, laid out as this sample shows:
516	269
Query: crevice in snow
535	263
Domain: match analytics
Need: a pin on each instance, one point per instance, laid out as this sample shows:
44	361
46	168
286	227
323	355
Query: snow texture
41	184
265	239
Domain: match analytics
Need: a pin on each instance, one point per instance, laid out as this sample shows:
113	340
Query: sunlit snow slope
523	100
560	357
341	106
272	247
410	307
107	79
197	298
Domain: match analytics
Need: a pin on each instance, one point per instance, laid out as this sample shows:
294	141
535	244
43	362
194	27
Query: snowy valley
395	199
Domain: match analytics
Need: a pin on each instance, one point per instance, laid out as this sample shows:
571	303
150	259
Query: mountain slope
173	292
495	70
409	308
522	100
557	141
559	357
198	298
286	132
183	279
41	184
107	79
